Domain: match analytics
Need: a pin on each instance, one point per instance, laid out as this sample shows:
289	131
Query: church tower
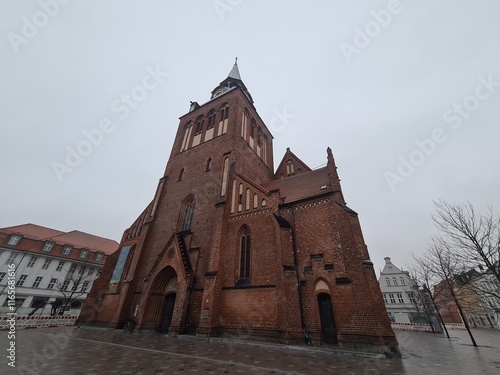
228	246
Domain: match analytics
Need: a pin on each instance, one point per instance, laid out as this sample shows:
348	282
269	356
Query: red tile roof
75	238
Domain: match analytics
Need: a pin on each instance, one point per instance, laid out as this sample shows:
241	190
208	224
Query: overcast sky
404	92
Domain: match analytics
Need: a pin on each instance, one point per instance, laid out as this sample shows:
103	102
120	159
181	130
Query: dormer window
48	246
67	249
98	257
14	239
83	253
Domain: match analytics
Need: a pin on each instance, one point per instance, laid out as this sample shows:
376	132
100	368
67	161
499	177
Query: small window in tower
199	125
181	174
259	134
209	165
252	128
394	281
211	120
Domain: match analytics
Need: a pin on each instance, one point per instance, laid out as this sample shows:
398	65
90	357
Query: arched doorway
161	301
328	329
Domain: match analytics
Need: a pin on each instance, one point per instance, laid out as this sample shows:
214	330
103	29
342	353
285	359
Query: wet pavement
69	350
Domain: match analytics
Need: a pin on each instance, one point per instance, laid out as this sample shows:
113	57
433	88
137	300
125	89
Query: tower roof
235	72
232	81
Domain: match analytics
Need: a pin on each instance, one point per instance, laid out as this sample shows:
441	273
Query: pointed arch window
188	215
199	125
211	120
245	254
209	165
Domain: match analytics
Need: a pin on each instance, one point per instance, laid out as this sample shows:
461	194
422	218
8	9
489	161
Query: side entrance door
167	314
328	330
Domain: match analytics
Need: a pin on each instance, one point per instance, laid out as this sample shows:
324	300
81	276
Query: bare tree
474	240
74	285
441	263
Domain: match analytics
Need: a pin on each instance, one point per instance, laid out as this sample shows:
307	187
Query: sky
404	92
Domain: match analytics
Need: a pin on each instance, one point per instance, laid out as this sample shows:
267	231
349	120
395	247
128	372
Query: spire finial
236	60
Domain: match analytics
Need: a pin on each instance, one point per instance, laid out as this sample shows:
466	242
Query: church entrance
328	330
167	313
159	308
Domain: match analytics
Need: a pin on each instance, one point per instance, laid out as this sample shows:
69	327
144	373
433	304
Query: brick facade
229	247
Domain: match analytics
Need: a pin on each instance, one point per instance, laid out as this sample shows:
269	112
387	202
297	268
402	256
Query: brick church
229	246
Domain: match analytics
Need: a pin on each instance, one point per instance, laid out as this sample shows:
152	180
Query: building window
37	281
245	255
72	269
211	120
98	256
2	275
65	285
60	266
91	271
224	113
52	283
394	281
209	165
32	261
48	246
385	298
75	286
85	286
199	125
21	280
400	298
12	258
46	264
388	281
391	298
411	297
14	239
252	129
188	216
255	200
67	249
391	318
402	281
181	174
83	253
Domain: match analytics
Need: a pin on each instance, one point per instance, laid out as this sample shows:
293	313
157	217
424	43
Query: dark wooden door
167	314
328	330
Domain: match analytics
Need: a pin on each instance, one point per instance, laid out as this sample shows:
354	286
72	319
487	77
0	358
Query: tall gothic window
188	216
245	255
211	120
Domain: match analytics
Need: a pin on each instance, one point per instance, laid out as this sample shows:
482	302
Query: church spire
232	81
235	72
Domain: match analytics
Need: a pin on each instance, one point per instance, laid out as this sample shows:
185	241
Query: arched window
259	134
181	174
387	281
211	120
188	215
394	281
402	280
245	254
225	172
199	125
187	136
209	165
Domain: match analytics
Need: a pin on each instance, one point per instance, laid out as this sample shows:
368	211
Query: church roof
302	186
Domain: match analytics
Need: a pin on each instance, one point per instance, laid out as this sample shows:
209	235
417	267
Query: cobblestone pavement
69	350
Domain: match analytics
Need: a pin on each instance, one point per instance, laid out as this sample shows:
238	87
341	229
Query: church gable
290	165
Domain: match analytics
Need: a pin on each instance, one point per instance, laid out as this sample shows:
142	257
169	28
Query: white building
52	269
400	294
